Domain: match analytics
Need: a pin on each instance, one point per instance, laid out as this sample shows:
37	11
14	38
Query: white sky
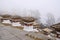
44	6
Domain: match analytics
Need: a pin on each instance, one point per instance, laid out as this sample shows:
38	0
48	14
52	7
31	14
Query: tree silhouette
50	19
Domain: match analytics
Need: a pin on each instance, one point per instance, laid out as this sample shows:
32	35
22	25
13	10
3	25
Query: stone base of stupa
6	24
18	27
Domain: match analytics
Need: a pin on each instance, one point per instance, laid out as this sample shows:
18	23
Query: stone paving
8	33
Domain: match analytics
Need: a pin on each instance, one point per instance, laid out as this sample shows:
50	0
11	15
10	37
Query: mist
23	7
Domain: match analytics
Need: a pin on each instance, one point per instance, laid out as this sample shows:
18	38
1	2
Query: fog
17	7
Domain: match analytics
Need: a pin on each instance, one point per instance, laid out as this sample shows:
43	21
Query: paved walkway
8	33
